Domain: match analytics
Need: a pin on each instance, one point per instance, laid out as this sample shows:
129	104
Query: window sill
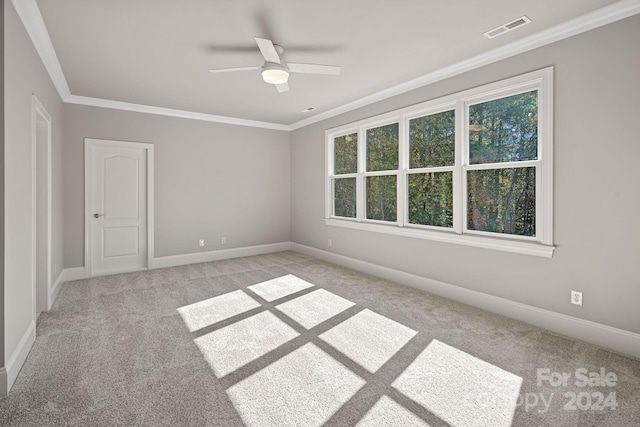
514	246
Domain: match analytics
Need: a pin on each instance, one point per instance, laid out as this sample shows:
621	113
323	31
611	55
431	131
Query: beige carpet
288	340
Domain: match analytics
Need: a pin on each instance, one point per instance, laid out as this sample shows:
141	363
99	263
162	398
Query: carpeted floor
286	339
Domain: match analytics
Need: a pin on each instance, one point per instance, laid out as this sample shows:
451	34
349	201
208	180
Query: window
381	175
473	168
501	174
431	166
344	182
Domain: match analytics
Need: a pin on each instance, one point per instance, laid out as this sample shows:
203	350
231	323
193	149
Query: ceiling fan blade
268	50
224	70
282	87
313	68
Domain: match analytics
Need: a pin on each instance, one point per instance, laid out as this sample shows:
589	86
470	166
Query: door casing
41	293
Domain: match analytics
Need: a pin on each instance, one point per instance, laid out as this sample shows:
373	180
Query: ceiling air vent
507	27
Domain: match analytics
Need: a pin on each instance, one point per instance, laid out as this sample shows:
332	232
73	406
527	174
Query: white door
117	206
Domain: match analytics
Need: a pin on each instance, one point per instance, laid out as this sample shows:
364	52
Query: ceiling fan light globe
275	76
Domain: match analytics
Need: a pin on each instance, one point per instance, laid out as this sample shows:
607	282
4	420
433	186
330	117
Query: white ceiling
156	53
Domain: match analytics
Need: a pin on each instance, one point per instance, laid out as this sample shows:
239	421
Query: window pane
382	148
344	197
432	140
502	201
504	130
381	197
345	154
431	199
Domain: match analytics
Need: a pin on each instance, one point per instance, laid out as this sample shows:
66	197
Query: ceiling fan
275	70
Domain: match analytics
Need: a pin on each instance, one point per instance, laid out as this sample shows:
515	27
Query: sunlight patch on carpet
307	386
314	308
304	387
459	388
368	338
233	346
213	310
386	412
280	287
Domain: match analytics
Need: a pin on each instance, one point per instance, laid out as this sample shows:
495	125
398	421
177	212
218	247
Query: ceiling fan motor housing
275	73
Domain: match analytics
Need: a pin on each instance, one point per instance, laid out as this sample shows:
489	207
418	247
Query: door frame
88	170
38	111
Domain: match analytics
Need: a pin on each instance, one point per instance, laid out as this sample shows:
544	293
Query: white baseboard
71	274
3	382
78	273
9	372
194	258
55	289
619	340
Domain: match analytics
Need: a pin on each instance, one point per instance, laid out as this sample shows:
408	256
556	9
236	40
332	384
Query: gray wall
596	194
24	75
212	180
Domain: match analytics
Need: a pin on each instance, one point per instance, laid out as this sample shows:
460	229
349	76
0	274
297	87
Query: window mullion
459	178
434	169
360	190
505	165
544	193
403	164
328	183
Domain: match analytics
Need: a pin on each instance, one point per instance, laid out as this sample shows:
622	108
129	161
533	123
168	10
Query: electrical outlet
201	242
329	242
223	241
576	298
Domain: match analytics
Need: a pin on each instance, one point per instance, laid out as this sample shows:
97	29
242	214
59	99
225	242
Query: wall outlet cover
576	298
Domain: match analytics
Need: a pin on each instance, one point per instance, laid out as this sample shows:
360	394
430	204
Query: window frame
539	245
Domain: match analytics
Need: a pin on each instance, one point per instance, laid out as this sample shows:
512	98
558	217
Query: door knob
97	215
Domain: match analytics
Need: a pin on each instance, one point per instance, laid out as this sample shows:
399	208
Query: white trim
619	340
3	382
38	110
151	203
17	358
545	97
93	142
198	257
449	236
139	108
29	13
55	289
79	273
74	273
117	271
616	339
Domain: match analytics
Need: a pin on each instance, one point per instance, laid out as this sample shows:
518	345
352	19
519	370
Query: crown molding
29	13
139	108
31	18
606	15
